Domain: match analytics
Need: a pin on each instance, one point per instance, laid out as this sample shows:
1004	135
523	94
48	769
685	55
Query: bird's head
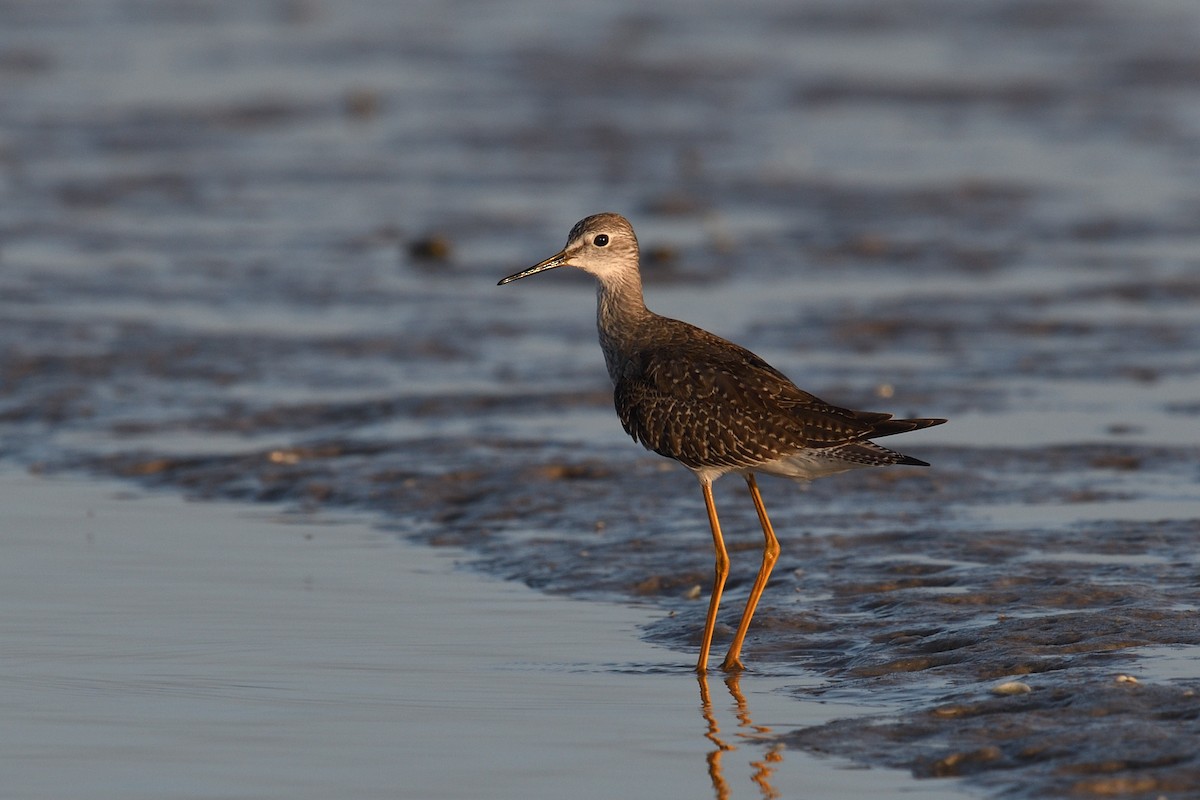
602	245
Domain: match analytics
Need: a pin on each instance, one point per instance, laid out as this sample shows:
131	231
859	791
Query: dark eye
601	240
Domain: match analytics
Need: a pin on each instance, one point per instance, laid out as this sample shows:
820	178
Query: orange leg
722	572
733	659
713	734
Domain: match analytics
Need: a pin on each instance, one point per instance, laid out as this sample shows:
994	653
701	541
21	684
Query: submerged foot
732	664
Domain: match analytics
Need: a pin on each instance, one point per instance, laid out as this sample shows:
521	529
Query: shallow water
159	648
248	252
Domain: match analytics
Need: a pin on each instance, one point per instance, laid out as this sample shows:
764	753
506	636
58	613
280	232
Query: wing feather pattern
709	403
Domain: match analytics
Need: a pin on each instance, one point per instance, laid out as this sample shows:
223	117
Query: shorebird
712	405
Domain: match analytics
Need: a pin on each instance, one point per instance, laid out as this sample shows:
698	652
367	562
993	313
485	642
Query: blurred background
248	250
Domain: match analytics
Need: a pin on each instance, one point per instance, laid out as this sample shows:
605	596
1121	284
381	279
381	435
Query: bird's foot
732	664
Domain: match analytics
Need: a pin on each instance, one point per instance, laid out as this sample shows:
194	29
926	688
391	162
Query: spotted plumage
710	404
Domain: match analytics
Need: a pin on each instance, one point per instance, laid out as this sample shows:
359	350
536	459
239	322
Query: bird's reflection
747	730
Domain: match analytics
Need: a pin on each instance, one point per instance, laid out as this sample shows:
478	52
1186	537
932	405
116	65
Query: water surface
248	252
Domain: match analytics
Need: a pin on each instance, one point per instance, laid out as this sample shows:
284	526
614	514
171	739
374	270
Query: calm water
159	648
248	253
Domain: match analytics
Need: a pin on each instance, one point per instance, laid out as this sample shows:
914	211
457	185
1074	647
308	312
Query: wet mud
250	252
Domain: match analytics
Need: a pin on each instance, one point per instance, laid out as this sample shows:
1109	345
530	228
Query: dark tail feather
886	426
890	427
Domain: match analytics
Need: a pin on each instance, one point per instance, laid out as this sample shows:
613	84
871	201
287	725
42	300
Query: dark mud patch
1100	737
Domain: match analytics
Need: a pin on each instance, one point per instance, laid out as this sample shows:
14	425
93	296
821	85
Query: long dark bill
550	263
